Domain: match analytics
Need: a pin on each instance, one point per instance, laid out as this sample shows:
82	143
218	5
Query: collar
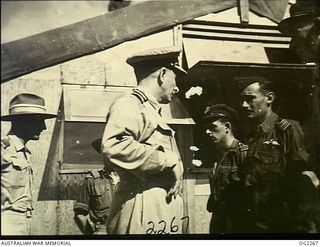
151	99
114	177
234	145
268	124
18	144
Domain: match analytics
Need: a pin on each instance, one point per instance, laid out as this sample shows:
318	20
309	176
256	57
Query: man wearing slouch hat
27	114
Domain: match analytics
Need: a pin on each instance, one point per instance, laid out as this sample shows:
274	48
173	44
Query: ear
228	126
270	97
161	75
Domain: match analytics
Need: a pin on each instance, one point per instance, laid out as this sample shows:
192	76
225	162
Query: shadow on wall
56	186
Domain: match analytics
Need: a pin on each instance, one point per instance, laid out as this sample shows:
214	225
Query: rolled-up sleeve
120	142
295	142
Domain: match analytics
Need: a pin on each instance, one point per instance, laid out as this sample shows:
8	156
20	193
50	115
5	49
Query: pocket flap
19	164
268	157
165	127
99	188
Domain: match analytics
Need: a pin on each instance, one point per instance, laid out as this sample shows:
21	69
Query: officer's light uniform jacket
138	143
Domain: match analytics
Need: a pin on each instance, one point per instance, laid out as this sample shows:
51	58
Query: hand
6	199
313	177
177	187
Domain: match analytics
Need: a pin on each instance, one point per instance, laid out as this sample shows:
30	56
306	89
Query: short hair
142	72
265	84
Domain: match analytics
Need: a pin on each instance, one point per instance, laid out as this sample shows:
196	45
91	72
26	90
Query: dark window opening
281	55
79	151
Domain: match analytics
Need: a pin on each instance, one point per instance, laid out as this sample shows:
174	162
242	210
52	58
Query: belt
100	224
100	229
27	213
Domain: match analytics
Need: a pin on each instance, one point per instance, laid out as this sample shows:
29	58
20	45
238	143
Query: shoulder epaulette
243	147
140	95
93	174
283	124
5	142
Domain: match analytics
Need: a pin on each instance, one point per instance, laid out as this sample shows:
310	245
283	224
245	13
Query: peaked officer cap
164	56
217	111
303	11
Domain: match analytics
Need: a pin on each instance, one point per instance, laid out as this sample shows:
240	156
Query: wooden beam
244	11
274	10
46	49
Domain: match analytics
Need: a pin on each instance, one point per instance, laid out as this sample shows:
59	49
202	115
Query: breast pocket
18	173
224	170
269	160
99	188
161	136
268	157
102	194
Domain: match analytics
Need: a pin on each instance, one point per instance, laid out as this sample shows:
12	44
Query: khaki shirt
96	195
225	171
274	147
275	159
16	175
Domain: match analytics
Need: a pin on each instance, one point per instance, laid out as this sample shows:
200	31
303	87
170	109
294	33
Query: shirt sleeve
120	144
6	157
295	145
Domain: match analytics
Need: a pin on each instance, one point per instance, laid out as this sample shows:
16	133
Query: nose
175	90
208	132
245	104
43	126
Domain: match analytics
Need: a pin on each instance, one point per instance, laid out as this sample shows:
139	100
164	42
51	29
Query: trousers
15	223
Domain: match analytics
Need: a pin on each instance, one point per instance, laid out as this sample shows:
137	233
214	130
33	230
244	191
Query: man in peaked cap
220	122
27	114
303	27
141	147
275	169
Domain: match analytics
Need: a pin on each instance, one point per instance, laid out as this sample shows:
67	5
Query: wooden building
80	68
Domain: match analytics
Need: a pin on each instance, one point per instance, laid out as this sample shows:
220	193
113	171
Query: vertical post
177	39
244	11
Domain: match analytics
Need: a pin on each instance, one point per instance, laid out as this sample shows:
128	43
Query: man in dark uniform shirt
224	202
92	207
276	160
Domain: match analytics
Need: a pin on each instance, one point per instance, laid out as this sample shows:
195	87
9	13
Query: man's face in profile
169	86
31	126
254	102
